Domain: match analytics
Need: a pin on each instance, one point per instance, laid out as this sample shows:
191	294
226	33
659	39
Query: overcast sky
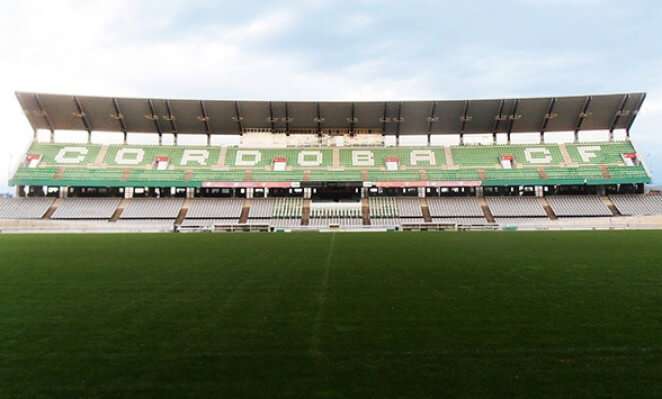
361	50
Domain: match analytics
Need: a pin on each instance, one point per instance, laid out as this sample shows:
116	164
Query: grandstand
320	165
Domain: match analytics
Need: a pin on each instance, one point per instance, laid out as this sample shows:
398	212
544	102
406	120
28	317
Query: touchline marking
321	302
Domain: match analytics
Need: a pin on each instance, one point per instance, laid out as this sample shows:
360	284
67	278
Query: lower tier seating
216	208
24	208
578	205
276	208
152	208
454	207
86	208
515	206
638	204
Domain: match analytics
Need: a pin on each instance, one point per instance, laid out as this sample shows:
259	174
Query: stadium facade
326	164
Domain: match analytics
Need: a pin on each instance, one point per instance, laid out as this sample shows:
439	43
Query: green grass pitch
399	315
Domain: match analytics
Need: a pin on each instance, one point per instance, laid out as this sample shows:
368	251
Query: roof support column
44	114
512	118
83	116
126	138
160	139
176	138
400	119
497	121
548	115
383	120
617	116
582	115
464	118
208	140
287	121
431	119
120	119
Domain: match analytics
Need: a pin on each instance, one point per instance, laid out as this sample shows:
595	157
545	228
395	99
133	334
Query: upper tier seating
578	205
638	204
402	153
267	156
152	208
454	207
515	206
91	165
216	208
490	156
86	208
600	153
24	208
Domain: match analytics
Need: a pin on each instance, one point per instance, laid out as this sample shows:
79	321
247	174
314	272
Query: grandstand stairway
305	215
221	157
604	171
118	212
52	209
548	209
450	163
487	212
336	158
565	154
365	211
425	210
607	201
245	211
101	155
181	216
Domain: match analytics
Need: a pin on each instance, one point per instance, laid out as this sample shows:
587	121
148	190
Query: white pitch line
321	301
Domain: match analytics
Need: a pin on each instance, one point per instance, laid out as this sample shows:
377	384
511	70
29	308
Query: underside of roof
212	117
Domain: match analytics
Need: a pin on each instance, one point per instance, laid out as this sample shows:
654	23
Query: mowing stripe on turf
321	301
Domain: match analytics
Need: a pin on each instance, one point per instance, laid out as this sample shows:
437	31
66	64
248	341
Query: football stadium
316	249
344	166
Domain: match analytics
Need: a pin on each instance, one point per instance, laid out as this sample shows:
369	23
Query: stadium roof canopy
145	115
